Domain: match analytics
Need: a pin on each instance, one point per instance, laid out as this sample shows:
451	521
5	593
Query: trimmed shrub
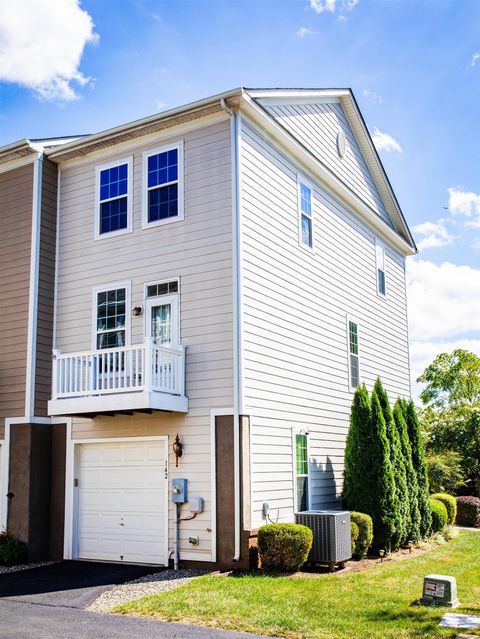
439	515
354	532
418	460
450	504
468	511
284	547
413	533
401	504
12	552
365	534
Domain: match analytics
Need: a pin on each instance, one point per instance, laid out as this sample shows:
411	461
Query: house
30	448
227	273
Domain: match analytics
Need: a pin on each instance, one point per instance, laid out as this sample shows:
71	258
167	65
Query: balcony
142	377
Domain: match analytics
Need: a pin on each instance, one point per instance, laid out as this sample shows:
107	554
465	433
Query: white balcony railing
143	367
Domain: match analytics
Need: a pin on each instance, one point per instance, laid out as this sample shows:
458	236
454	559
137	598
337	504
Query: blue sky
411	64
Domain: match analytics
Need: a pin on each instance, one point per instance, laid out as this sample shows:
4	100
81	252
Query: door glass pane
162	324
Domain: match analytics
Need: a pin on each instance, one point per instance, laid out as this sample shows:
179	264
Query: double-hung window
380	258
305	213
111	317
163	185
302	497
113	192
353	354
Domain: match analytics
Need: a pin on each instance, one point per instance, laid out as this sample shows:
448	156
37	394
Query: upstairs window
113	192
111	318
380	257
301	472
353	354
163	178
305	214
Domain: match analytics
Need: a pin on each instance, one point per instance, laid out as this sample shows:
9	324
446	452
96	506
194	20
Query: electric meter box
179	491
440	590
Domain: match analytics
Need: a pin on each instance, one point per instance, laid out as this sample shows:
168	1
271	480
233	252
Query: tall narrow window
305	214
111	318
163	195
353	353
301	472
380	255
113	208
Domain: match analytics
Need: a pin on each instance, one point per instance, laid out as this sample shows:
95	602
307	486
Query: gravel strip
148	585
5	569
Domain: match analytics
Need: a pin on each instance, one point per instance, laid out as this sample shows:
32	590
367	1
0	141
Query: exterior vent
332	543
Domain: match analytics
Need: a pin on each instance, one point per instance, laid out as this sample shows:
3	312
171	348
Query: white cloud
465	203
41	45
371	96
385	142
435	234
443	300
303	32
323	5
475	58
332	5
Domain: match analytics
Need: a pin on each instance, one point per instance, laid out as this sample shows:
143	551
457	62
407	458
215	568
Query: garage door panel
121	501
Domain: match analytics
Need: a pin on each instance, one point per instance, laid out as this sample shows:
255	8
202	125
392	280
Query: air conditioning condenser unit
332	542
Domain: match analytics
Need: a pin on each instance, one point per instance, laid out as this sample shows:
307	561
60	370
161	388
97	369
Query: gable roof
252	102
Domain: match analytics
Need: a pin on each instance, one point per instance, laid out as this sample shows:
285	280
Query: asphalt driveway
68	584
47	603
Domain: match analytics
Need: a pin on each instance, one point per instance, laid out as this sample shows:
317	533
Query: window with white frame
113	195
305	213
380	258
301	472
111	306
163	185
353	354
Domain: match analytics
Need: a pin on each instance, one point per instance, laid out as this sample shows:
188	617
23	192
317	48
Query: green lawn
376	603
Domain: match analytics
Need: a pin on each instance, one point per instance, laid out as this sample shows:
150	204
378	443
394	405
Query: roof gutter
305	157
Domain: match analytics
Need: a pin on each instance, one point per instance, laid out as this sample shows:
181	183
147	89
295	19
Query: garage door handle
122	524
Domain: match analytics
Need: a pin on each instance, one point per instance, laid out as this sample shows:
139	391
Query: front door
162	320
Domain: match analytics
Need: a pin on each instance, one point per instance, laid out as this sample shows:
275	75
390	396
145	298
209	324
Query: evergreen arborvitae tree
355	494
418	460
381	480
412	483
400	505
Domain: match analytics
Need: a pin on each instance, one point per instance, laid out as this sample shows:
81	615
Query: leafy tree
400	504
355	495
452	379
399	412
445	472
418	460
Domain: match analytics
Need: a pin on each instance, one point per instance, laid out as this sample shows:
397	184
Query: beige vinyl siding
16	191
198	250
295	307
316	126
46	285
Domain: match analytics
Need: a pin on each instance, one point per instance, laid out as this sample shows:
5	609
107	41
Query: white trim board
4	473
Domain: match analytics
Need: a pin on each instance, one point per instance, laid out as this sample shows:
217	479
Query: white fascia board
302	94
117	402
323	174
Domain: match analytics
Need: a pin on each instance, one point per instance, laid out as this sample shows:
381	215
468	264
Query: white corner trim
98	169
33	287
179	146
5	469
57	261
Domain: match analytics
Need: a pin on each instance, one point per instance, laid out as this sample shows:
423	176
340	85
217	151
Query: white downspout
33	289
237	389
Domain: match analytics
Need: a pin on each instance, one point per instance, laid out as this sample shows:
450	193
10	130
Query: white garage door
122	502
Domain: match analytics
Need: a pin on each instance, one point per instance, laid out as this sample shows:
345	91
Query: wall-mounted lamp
177	449
137	310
